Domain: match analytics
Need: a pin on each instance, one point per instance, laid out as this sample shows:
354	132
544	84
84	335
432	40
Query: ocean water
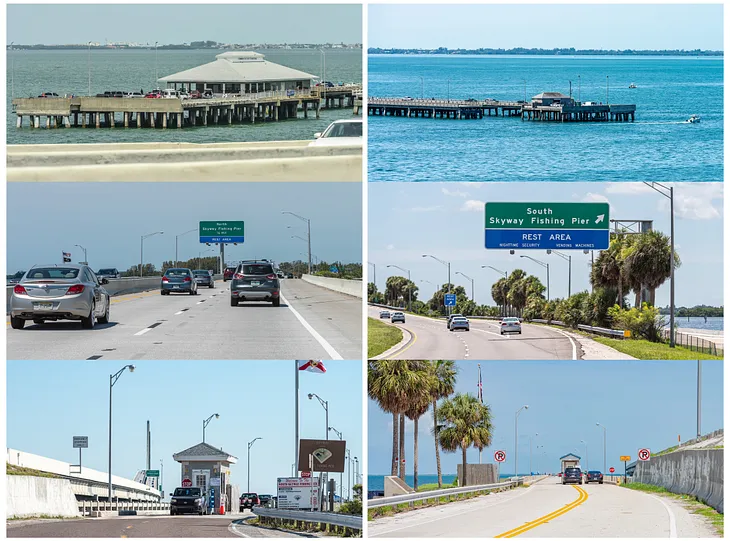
712	323
66	72
658	146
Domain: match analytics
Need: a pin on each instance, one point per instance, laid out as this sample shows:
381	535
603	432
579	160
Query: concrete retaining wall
32	496
698	472
478	474
348	287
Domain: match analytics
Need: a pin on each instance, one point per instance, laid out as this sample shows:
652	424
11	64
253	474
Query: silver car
459	323
53	292
510	324
398	316
204	278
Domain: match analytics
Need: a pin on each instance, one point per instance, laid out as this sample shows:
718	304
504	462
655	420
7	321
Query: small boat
632	85
694	119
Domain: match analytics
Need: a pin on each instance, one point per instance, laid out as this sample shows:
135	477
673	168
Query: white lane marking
140	333
180	312
318	337
672	518
200	302
446	516
572	342
232	528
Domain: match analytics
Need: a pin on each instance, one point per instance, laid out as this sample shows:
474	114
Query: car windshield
52	273
344	129
107	271
258	269
190	491
594	472
249	495
572	470
177	272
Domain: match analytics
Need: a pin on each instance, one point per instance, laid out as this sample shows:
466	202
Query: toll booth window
200	481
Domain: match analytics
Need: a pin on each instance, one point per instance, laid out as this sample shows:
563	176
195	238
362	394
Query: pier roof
550	95
238	67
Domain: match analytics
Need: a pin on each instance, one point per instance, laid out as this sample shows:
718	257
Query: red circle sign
500	456
187	483
644	454
611	469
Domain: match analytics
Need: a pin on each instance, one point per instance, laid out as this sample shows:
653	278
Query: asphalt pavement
430	339
549	509
146	526
311	323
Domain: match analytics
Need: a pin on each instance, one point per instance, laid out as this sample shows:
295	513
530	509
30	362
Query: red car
228	273
154	94
195	95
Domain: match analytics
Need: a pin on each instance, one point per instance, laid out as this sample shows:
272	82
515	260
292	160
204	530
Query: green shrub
644	323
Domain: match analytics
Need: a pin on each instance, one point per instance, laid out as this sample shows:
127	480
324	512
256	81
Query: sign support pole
624	472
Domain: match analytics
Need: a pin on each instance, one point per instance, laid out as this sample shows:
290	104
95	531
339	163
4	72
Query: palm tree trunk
402	446
436	442
415	453
463	465
394	461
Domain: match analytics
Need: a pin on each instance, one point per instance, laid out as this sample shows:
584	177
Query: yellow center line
408	345
582	497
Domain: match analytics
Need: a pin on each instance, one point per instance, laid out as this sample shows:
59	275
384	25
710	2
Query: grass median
655	351
381	337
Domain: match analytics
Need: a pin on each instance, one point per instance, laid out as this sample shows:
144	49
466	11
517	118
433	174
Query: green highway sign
218	231
153	473
546	216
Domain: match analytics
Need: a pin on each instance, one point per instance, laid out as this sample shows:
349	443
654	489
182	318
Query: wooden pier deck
475	109
174	112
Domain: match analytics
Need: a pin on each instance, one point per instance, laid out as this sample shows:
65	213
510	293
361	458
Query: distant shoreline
307	47
542	52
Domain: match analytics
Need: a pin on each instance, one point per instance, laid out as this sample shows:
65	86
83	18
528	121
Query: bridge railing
331	521
96	507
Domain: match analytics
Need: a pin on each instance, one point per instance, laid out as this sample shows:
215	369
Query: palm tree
466	422
420	401
648	265
444	381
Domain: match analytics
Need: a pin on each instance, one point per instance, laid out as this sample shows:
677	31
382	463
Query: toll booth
207	467
569	461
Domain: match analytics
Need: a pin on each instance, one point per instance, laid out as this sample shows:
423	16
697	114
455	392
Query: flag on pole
479	385
66	257
312	366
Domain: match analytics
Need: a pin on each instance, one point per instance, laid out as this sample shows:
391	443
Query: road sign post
221	232
644	455
80	442
499	457
625	459
546	226
152	473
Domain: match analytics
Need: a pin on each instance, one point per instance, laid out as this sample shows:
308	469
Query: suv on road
108	273
187	500
248	501
255	280
572	475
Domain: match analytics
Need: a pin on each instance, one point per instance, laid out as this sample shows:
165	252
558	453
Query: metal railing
89	507
437	494
353	522
695	343
613	333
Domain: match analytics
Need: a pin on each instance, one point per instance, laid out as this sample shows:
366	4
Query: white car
340	133
384	314
510	324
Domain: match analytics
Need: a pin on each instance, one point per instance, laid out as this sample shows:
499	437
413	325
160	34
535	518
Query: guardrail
613	333
91	508
437	494
295	518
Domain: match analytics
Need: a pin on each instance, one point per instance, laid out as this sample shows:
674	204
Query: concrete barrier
29	496
348	287
698	472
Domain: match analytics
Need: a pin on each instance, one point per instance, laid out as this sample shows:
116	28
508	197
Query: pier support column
179	120
253	114
139	120
152	119
83	120
19	122
164	121
111	119
36	121
76	120
193	114
276	112
48	122
231	111
126	119
316	111
97	120
66	122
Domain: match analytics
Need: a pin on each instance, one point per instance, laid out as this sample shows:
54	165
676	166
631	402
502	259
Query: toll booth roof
203	452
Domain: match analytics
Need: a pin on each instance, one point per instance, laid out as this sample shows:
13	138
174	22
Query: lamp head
310	395
527	407
131	367
217	416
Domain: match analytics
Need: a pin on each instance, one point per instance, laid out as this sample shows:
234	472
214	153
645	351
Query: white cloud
390	247
694	201
627	187
472	205
594	197
455	193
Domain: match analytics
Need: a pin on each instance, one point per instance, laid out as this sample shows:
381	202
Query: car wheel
276	302
451	330
212	286
234	302
192	292
600	482
16	322
105	317
581	482
88	322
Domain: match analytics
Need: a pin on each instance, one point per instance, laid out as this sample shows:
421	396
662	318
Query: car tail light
503	323
271	276
187	279
165	279
19	290
238	276
75	289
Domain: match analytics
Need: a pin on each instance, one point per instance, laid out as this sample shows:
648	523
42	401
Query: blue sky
614	26
230	23
447	221
49	402
108	219
641	404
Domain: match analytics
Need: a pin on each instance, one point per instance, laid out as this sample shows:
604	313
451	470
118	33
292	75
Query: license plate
255	283
175	287
43	306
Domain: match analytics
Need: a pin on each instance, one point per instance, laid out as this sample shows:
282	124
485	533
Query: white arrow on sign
600	218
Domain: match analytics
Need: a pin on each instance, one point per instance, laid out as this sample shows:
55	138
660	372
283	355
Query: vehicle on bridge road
594	477
178	281
187	500
266	500
255	280
384	314
109	273
572	475
459	323
398	316
510	324
248	501
54	292
228	273
203	278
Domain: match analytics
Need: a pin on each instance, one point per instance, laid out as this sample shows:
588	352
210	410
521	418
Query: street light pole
325	405
504	305
205	423
536	435
699	398
176	237
517	415
546	266
156	77
604	446
248	464
339	435
88	63
409	284
86	261
309	237
112	380
349	478
569	259
141	249
448	266
472	283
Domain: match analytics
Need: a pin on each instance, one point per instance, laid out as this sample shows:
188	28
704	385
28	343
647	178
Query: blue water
375	482
712	323
659	145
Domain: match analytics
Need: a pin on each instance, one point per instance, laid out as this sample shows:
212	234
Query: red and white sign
612	469
187	483
644	454
500	456
306	474
312	366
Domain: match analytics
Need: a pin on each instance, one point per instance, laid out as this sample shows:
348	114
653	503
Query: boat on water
694	119
632	85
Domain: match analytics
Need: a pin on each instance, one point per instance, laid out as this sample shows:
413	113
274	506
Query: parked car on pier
207	93
155	94
195	95
49	95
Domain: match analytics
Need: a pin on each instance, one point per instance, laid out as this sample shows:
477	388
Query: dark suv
572	475
255	280
594	477
248	501
187	500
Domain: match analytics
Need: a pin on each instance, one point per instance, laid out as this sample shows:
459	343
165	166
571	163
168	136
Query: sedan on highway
203	278
255	280
459	323
339	133
398	316
510	324
572	475
451	316
53	292
384	314
594	477
178	281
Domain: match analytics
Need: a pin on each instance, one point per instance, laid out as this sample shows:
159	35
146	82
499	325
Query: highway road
311	323
548	509
432	340
146	526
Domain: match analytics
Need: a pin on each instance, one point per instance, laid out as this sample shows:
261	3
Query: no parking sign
500	456
644	455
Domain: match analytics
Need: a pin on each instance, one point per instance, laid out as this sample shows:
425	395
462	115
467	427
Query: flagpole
296	416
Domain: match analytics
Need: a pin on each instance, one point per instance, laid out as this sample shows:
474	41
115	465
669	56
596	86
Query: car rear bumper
510	329
456	327
66	307
186	508
399	320
253	294
570	480
186	287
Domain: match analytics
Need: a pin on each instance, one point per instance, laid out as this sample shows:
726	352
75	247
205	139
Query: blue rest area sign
450	299
221	231
333	269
